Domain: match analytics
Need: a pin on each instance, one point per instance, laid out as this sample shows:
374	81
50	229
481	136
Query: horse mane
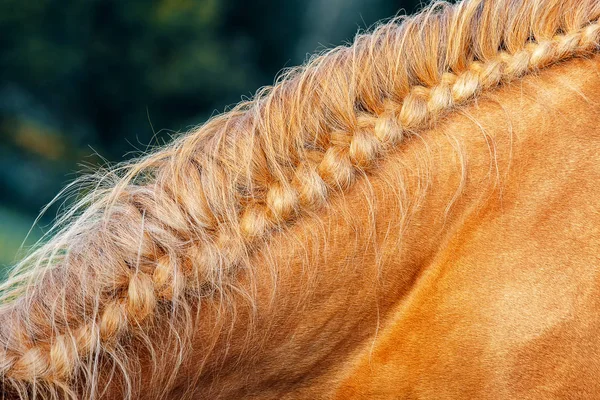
153	238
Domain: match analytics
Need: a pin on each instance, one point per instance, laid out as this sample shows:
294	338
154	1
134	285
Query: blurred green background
86	82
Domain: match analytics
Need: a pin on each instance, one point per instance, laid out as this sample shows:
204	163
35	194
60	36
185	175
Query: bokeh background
89	82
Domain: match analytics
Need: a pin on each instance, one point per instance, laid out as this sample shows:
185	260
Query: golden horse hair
154	244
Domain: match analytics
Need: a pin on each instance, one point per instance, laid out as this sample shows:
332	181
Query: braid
179	223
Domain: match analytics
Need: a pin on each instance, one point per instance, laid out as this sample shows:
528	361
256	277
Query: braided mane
154	238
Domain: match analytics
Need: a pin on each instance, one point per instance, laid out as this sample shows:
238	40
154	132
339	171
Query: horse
411	216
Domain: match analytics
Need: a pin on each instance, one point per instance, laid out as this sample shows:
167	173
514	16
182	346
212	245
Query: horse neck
319	297
326	286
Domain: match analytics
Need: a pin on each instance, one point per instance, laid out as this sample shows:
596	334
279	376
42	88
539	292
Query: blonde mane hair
155	239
